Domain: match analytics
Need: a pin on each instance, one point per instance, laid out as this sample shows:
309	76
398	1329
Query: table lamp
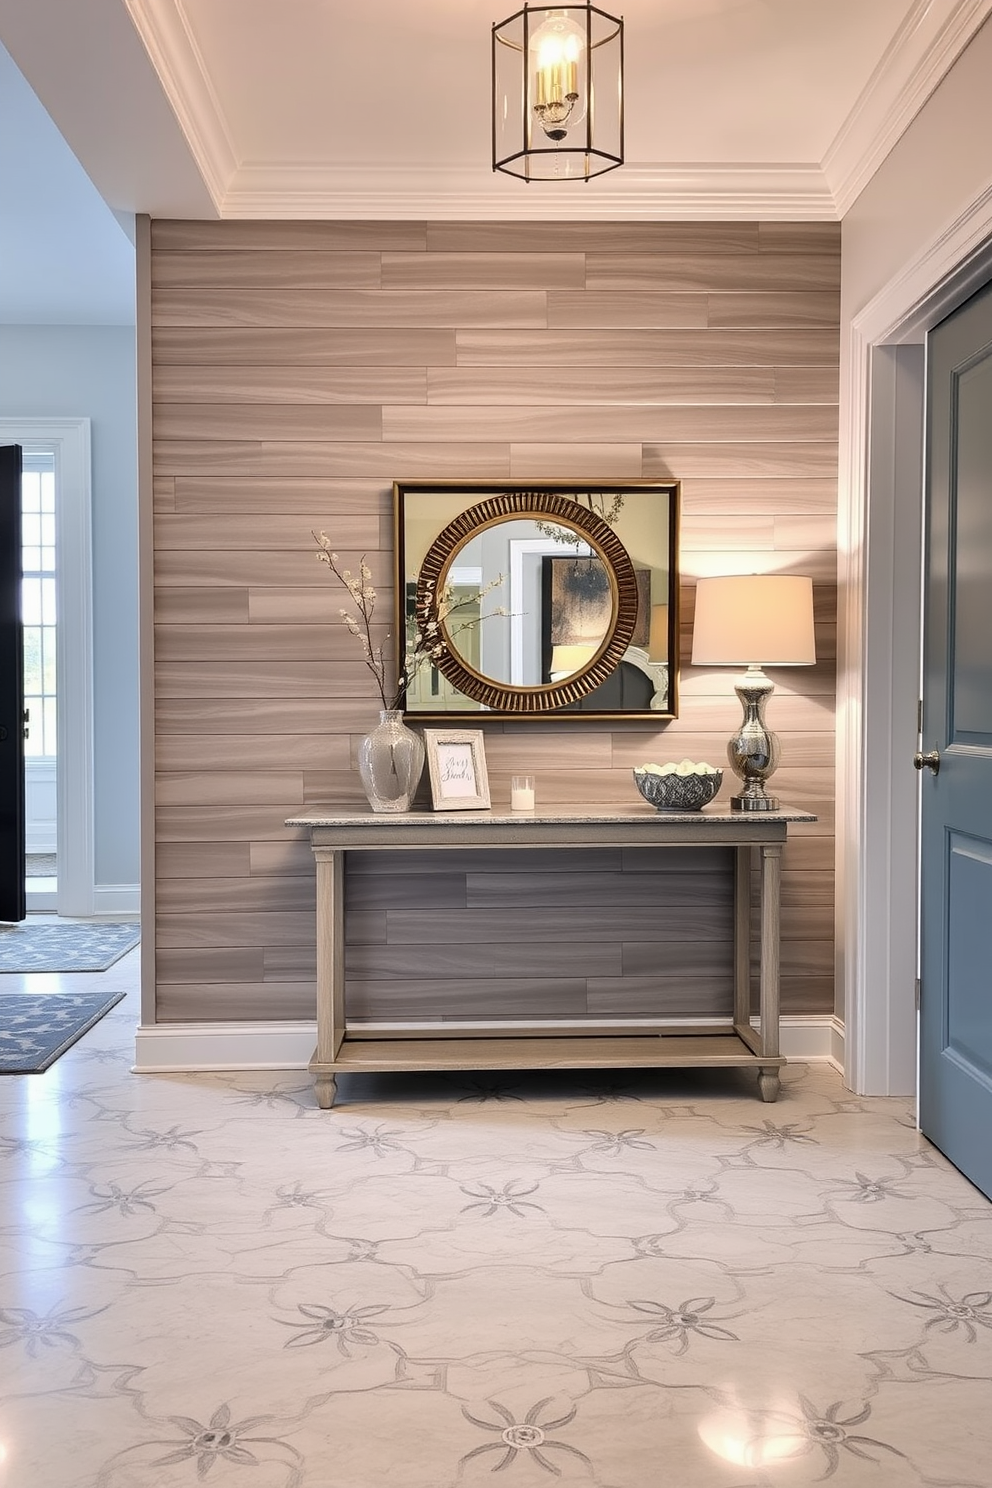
754	620
567	660
658	643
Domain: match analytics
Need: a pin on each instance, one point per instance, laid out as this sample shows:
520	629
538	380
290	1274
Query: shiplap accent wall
298	369
549	933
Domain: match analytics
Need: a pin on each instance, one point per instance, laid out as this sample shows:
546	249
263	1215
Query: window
38	601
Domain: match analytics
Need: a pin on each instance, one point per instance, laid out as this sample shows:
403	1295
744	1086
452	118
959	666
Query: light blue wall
82	371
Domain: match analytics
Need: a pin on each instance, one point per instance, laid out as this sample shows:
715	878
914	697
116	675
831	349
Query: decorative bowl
682	787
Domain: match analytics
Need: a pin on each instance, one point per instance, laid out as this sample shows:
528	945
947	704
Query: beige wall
298	369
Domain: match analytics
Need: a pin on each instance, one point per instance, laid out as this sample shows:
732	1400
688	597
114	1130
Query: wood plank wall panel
540	933
298	369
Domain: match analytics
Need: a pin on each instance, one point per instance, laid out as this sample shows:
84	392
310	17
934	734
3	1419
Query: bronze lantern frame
533	156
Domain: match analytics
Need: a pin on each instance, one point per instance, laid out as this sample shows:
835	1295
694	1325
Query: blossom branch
429	633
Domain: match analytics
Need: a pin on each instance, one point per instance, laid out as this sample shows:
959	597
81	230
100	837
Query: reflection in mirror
559	610
550	632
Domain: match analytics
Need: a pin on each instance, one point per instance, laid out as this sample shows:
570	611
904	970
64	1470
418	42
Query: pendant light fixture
558	93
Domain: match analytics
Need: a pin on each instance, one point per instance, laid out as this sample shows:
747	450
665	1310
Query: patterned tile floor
643	1282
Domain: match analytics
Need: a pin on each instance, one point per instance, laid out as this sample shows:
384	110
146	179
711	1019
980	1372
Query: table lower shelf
665	1051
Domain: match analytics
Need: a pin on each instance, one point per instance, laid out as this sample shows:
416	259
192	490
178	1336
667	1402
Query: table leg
769	1084
742	937
326	1087
330	970
771	881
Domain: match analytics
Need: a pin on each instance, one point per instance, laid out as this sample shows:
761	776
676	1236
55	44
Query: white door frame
70	439
521	547
879	545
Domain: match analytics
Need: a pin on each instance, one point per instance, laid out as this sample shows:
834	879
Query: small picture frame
456	759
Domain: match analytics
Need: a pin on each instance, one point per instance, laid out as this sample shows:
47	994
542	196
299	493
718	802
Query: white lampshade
754	619
658	644
566	660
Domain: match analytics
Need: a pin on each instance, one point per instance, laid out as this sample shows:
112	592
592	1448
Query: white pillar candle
522	794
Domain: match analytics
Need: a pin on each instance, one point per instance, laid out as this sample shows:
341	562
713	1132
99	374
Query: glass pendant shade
558	93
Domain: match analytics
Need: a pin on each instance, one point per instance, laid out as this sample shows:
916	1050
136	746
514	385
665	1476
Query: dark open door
12	898
956	879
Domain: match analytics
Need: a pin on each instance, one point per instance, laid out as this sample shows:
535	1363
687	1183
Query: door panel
12	895
956	869
969	954
971	450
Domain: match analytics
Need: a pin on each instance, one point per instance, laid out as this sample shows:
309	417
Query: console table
761	836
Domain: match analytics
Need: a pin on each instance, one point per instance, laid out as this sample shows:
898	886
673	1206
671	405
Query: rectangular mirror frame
422	509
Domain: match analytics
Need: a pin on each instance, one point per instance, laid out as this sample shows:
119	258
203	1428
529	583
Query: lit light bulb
557	51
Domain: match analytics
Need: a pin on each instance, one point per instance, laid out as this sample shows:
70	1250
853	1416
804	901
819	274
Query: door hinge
917	995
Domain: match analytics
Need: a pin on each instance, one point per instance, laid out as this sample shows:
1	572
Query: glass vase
390	763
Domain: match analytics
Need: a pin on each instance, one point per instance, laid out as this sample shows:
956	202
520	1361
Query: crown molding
926	45
921	53
168	39
635	193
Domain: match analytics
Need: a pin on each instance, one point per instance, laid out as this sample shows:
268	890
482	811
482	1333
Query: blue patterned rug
36	1027
67	947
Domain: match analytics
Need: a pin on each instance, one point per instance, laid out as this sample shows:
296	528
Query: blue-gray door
956	878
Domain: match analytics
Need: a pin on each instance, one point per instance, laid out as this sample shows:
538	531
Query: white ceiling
380	108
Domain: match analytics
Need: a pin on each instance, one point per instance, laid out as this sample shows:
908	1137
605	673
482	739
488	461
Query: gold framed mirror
558	600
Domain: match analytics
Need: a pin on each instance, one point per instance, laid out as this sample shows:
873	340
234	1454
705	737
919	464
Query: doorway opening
39	614
66	443
880	625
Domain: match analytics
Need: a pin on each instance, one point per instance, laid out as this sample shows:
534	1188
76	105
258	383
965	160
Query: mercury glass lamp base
755	803
753	752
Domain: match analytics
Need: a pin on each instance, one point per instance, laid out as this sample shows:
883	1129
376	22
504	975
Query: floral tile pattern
637	1283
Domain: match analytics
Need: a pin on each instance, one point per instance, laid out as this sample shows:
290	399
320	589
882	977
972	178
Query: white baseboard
172	1048
111	899
813	1038
41	901
169	1048
40	838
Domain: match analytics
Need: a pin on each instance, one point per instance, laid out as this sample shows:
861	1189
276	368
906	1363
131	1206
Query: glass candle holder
522	793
